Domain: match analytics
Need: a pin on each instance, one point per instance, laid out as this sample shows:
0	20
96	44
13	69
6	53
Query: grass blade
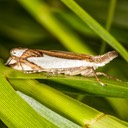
12	105
95	26
81	84
66	106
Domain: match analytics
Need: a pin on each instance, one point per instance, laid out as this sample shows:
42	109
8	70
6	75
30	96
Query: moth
58	62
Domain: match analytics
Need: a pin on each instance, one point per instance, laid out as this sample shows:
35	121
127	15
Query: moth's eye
17	52
13	52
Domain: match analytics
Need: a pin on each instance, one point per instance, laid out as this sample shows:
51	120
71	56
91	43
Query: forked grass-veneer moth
58	62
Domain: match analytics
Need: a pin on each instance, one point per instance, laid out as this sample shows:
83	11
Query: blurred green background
51	25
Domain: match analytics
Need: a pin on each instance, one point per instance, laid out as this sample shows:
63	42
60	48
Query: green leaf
64	105
82	84
48	114
12	105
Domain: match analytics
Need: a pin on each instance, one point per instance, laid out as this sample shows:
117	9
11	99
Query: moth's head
17	52
101	60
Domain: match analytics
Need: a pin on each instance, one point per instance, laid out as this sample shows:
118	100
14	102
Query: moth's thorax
18	52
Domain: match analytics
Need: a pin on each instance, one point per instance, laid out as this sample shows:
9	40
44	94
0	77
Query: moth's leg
29	71
51	72
73	71
90	72
107	76
84	71
96	76
20	64
102	74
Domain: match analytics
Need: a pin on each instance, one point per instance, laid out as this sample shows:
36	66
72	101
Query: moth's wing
66	52
67	55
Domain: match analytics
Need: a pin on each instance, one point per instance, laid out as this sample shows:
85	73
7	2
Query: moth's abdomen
101	60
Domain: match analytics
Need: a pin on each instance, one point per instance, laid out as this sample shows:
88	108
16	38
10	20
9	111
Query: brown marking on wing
31	64
55	53
31	53
20	61
67	55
